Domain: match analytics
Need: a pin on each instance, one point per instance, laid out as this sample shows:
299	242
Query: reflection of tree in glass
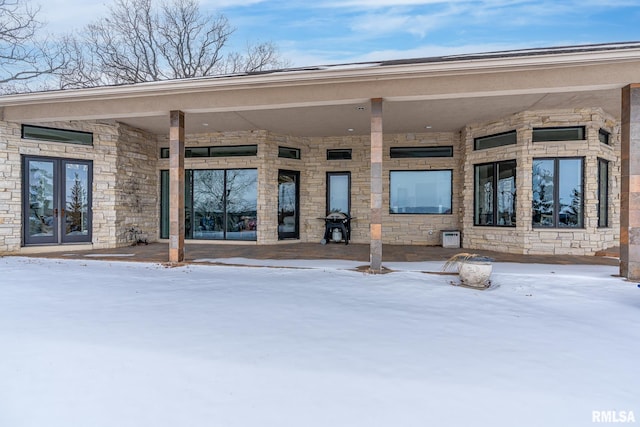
287	198
542	192
216	205
573	211
76	206
208	191
240	184
40	194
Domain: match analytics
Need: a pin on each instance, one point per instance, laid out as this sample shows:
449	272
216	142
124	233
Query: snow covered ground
119	344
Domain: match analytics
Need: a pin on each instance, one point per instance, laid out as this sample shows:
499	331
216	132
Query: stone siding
524	238
126	170
137	185
314	166
119	155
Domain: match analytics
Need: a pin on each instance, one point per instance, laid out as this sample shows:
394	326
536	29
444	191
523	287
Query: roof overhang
445	93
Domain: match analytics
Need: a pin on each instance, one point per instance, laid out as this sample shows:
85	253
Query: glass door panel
41	213
241	204
76	220
207	205
288	205
339	192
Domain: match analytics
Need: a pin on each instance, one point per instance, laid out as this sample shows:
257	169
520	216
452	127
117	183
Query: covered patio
453	96
242	254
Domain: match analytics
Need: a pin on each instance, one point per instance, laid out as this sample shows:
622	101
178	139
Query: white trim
336	74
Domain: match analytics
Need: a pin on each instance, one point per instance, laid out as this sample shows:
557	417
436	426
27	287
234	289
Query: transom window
417	152
215	151
289	153
495	194
604	136
495	140
41	133
420	192
339	154
558	192
568	133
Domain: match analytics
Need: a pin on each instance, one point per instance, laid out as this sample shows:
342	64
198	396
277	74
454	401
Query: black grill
337	224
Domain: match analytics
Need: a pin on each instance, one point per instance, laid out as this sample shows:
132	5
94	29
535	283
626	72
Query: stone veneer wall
267	176
314	166
126	181
524	238
412	229
136	186
120	156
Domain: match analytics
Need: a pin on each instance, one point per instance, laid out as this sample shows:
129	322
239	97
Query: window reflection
557	192
77	209
219	204
422	192
495	204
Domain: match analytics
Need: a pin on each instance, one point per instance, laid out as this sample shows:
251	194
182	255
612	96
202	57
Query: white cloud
303	58
394	22
220	4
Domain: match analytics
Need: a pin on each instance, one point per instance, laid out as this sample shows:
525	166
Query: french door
56	200
288	205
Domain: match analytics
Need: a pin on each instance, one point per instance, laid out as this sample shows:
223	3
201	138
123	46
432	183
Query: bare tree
23	55
137	42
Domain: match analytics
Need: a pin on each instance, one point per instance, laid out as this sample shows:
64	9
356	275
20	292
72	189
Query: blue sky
338	31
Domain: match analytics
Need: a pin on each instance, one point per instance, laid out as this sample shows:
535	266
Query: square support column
176	187
630	188
375	248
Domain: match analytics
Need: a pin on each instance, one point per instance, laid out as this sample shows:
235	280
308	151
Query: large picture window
495	194
420	192
558	193
219	204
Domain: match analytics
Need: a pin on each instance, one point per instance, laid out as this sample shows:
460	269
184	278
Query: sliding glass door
219	204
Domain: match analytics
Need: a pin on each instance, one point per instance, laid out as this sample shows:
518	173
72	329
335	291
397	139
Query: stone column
176	187
375	248
630	190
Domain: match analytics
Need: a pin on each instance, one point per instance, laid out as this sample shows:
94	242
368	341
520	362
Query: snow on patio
94	343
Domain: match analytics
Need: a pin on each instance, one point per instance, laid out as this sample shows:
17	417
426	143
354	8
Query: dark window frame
479	140
538	138
494	213
421	152
604	136
59	193
211	151
332	154
25	135
328	190
556	194
189	209
603	194
283	150
391	212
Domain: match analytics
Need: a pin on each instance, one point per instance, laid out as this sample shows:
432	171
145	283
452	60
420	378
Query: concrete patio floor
159	252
